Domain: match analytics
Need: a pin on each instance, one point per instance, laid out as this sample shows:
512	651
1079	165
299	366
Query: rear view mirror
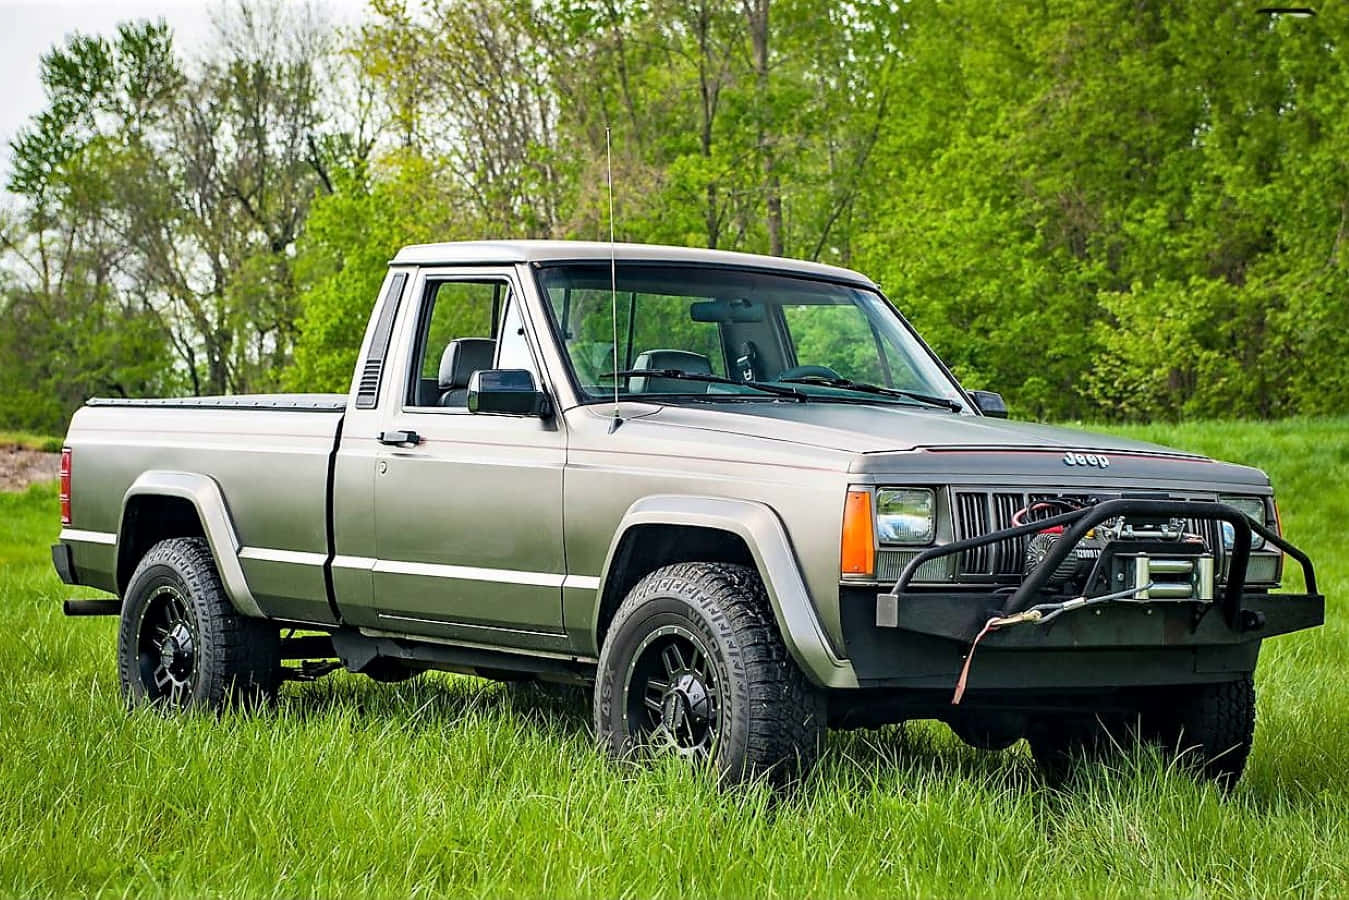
722	311
990	404
506	392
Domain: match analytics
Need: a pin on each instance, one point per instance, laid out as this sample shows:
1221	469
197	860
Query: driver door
468	518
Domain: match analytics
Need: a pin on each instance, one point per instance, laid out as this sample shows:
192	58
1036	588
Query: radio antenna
613	275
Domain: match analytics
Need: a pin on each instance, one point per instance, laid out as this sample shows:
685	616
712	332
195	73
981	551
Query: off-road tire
1060	744
772	719
1207	728
236	659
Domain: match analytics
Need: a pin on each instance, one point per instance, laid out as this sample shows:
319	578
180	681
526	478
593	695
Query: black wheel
182	644
1207	728
693	664
1061	743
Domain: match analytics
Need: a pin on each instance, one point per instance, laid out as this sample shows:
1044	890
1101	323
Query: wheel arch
161	505
663	529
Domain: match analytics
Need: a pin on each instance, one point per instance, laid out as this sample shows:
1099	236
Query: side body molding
204	494
762	531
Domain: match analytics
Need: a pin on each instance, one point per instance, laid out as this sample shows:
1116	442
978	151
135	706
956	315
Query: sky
28	28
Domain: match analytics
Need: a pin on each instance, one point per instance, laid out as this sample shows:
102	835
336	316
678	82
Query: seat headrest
463	357
683	360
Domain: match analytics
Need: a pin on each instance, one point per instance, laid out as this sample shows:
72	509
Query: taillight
858	546
65	485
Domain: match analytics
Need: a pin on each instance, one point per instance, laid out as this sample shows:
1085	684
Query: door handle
398	438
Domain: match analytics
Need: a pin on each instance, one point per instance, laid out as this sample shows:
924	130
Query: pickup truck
736	494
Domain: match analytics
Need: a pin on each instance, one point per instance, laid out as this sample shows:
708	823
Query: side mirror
506	392
990	404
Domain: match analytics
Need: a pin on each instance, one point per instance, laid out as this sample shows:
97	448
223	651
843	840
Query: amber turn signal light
858	548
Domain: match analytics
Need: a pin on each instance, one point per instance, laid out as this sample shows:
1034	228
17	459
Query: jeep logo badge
1099	460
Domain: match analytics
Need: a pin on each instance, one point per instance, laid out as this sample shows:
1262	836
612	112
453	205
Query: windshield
729	329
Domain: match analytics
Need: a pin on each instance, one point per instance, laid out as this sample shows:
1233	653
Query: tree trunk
756	11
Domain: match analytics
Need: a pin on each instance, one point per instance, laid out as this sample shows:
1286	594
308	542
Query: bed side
268	461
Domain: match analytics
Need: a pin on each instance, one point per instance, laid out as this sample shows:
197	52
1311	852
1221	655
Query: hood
887	439
866	428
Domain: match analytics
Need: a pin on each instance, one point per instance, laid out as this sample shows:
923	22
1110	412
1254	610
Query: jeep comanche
737	494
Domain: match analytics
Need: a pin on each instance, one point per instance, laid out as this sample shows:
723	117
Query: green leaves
1103	209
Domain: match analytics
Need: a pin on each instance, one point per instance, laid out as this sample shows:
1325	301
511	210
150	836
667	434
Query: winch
1157	558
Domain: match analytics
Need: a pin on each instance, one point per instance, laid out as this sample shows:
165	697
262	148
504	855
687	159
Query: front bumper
919	638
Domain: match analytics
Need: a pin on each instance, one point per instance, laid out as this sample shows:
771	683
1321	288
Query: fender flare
763	533
204	493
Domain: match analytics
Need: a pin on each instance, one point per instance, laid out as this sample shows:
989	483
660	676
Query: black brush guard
1245	616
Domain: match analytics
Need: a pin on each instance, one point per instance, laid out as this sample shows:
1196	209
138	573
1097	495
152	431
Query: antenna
613	275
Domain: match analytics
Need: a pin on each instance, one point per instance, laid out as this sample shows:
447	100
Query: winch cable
1040	615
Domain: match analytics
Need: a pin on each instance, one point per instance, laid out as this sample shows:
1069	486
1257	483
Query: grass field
28	441
449	786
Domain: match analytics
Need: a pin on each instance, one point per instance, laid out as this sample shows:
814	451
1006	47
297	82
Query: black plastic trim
63	560
92	607
372	367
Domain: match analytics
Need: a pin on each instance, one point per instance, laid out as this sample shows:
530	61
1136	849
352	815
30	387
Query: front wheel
182	644
693	664
1207	728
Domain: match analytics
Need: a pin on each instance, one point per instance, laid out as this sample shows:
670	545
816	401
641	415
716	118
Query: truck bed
269	456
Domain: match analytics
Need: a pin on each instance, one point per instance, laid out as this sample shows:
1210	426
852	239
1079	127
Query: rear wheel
181	643
693	664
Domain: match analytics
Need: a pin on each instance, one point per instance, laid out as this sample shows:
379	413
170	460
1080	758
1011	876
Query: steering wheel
808	372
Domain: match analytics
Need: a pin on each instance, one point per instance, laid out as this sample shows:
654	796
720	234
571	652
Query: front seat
683	360
463	357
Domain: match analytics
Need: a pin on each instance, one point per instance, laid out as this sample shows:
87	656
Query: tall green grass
449	786
45	443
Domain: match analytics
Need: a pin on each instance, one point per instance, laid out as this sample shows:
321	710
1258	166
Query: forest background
1115	210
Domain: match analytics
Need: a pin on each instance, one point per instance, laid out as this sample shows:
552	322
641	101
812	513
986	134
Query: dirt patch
20	467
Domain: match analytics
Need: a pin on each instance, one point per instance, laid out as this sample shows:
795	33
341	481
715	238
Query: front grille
978	513
971	522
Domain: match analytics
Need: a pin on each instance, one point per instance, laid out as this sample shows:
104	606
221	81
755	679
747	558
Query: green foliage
450	786
98	350
341	259
1121	210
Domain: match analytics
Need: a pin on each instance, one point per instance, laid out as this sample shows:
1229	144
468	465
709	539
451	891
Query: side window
512	347
465	326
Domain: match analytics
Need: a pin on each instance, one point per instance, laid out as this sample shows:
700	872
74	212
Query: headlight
905	516
1254	509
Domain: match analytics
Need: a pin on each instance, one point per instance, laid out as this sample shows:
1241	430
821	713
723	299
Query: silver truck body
509	532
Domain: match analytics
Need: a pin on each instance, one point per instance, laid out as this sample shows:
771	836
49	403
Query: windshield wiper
681	375
865	388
